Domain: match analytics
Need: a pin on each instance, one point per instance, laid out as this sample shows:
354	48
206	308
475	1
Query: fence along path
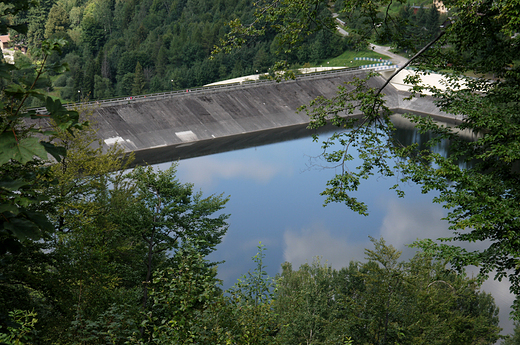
208	89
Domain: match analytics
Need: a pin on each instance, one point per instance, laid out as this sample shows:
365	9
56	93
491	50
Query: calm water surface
275	199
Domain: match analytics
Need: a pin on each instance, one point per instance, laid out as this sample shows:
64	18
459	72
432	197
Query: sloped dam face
205	121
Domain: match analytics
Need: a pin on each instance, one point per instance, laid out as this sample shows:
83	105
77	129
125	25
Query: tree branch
419	53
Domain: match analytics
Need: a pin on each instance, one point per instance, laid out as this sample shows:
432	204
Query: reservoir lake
275	199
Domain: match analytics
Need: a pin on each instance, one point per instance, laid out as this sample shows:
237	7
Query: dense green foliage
80	238
514	338
23	149
380	301
119	48
384	301
409	28
112	232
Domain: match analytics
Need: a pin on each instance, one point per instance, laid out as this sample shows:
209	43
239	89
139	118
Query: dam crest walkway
172	126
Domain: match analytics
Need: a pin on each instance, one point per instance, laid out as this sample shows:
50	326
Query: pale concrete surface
340	22
219	120
432	79
196	124
398	81
8	55
255	77
341	30
396	59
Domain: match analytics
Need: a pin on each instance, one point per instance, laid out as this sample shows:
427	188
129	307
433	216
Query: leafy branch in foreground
353	99
478	180
24	141
23	332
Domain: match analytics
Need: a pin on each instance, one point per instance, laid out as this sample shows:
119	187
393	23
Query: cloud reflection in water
209	171
275	199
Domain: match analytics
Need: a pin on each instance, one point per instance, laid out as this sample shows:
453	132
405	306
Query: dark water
275	199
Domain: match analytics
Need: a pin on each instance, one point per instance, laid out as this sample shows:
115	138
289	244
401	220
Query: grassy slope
347	58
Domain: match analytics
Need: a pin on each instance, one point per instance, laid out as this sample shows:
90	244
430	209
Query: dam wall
201	122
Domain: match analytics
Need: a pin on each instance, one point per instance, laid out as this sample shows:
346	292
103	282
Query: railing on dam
203	90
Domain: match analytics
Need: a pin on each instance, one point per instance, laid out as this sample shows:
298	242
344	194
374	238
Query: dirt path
396	59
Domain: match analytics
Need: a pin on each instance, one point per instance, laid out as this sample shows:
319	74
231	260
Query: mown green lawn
347	59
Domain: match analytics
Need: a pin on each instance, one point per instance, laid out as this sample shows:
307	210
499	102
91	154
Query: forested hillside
119	48
416	23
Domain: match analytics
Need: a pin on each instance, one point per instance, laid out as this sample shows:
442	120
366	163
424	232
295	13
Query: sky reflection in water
275	198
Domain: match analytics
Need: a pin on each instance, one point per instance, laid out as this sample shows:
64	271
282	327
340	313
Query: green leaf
40	220
12	185
14	89
57	67
37	94
7	141
56	151
23	228
22	151
5	70
9	208
53	106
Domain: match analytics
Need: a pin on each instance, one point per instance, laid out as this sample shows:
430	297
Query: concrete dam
172	126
